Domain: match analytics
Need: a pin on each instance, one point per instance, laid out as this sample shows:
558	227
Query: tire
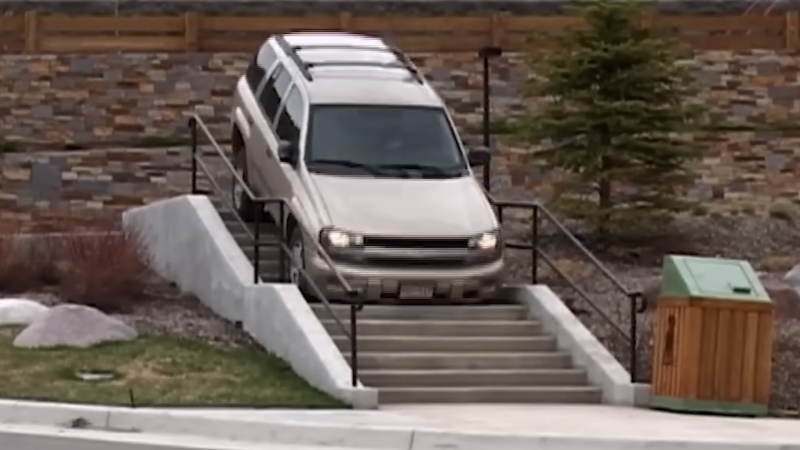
292	275
241	201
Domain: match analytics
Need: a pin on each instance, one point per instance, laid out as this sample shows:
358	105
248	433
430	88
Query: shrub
103	269
26	264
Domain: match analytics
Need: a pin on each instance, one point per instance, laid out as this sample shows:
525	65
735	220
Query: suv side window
254	74
273	91
292	118
259	66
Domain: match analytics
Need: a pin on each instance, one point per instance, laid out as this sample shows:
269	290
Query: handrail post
281	259
535	242
259	205
354	341
634	356
193	134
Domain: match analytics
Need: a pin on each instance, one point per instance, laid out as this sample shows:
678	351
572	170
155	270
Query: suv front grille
392	242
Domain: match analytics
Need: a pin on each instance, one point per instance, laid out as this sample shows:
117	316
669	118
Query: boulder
20	311
73	326
785	298
792	277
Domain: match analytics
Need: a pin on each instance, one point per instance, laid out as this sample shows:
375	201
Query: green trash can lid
712	278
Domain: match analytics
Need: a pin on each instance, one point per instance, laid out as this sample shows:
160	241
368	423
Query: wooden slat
94	24
79	44
443	44
243	44
721	22
12	24
739	337
722	356
542	24
270	24
421	24
10	45
734	42
750	358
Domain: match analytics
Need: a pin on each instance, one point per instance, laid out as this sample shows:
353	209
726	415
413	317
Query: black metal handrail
538	210
195	124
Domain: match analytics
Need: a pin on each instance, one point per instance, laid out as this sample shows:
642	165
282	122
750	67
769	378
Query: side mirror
479	157
287	152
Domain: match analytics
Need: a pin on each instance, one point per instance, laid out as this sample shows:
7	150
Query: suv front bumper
475	281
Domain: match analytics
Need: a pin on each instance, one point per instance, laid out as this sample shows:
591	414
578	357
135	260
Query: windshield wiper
434	170
347	163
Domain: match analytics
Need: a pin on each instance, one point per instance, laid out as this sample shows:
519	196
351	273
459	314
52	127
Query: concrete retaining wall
190	246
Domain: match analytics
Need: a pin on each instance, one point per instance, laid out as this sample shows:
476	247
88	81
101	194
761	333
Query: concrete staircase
460	354
446	354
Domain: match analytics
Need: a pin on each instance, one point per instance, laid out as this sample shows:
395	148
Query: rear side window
254	74
273	92
293	117
259	66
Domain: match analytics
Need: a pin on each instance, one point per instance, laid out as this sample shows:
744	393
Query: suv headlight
485	241
332	237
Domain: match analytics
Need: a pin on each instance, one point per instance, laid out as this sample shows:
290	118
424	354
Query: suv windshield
383	141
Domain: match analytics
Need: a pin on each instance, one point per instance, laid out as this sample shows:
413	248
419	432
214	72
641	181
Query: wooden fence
34	33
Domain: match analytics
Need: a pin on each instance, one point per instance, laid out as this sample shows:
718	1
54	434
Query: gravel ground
166	311
771	244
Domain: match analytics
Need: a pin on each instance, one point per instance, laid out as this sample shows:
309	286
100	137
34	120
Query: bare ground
771	244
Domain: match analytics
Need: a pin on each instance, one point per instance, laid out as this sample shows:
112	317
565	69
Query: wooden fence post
792	38
191	21
498	30
344	21
31	30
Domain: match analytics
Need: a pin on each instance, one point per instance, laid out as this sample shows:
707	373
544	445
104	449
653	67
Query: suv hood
405	207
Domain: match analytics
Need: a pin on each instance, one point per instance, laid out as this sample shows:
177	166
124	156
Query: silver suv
347	130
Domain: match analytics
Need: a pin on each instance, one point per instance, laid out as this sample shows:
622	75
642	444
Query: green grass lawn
160	371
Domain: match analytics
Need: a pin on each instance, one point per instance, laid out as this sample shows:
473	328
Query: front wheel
242	202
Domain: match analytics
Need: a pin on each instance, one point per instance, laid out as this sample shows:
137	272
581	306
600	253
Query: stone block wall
112	100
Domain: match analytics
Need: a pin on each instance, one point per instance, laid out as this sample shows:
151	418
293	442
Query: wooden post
31	32
497	29
191	21
792	38
345	19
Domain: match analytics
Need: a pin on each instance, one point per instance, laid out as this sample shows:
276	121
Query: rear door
290	124
263	155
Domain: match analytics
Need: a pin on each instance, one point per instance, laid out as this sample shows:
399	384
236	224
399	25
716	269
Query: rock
73	326
785	298
20	311
792	277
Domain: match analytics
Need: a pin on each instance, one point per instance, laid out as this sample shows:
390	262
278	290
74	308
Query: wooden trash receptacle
713	338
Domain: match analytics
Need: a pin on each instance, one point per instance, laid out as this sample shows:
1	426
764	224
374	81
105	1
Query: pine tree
616	104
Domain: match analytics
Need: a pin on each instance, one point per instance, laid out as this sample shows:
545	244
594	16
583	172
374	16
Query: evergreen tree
614	107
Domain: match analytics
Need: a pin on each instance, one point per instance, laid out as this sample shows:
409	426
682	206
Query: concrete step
489	394
373	327
460	360
465	344
438	313
464	378
267	252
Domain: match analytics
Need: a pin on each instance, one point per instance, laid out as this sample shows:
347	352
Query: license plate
416	291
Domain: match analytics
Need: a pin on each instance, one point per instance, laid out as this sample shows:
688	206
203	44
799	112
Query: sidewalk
435	427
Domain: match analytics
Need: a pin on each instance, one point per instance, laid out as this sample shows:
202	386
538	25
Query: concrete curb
330	435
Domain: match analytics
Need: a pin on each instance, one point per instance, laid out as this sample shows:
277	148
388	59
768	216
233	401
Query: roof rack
291	53
403	61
